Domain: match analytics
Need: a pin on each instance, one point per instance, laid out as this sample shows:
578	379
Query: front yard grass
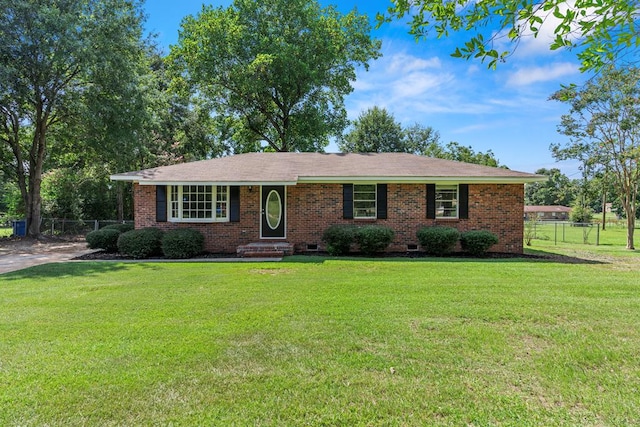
6	231
315	341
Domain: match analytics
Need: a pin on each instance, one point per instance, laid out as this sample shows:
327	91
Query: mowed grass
6	231
315	341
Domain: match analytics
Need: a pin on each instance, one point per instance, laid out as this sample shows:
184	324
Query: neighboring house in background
293	197
548	213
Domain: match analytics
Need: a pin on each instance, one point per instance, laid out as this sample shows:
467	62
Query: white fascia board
421	180
242	183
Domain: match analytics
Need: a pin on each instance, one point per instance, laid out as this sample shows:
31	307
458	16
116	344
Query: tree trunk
36	165
631	224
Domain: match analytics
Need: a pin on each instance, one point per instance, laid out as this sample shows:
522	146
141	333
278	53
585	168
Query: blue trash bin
20	228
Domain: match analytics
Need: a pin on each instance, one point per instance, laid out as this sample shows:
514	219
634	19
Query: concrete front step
265	250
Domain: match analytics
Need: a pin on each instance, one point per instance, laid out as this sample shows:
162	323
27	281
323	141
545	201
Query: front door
273	223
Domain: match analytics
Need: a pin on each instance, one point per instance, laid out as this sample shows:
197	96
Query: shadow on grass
68	269
532	255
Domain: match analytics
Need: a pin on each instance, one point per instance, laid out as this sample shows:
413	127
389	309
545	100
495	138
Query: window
364	201
446	201
195	203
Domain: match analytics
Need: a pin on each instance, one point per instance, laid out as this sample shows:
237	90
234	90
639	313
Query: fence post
555	233
95	225
53	225
598	234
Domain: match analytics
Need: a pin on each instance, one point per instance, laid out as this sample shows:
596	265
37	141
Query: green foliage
122	228
339	238
105	238
599	30
141	243
438	240
56	55
182	243
556	190
603	125
277	70
581	214
477	242
375	131
373	239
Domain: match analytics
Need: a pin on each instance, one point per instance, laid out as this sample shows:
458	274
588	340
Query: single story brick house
291	198
548	213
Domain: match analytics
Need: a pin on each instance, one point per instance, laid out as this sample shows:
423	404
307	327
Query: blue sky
505	110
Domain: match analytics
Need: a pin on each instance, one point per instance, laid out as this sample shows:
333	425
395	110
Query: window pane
221	201
447	201
364	201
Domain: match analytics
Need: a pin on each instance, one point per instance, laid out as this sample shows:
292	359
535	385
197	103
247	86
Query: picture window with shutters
199	203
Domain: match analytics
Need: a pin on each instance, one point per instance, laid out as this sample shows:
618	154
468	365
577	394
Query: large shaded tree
50	53
599	30
277	69
603	125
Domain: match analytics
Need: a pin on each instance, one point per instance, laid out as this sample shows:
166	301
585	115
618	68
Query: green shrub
477	242
374	238
106	239
141	243
438	240
581	214
339	238
182	243
122	228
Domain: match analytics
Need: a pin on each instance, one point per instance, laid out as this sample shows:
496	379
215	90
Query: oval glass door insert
273	210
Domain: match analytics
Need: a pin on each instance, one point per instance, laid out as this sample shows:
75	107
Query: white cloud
540	45
402	63
531	75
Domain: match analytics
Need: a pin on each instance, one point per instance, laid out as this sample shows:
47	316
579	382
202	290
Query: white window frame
374	214
218	200
441	210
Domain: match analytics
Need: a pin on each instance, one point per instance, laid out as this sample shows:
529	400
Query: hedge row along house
285	201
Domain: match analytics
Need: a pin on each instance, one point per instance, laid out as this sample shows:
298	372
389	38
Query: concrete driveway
18	254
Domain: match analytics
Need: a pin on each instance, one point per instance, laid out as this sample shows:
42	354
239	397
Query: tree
49	50
461	153
556	190
423	140
375	131
604	129
277	69
598	29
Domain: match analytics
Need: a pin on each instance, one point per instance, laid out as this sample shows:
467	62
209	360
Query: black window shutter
161	203
347	201
381	194
463	201
234	203
431	201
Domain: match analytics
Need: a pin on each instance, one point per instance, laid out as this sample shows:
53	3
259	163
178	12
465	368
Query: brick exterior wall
313	207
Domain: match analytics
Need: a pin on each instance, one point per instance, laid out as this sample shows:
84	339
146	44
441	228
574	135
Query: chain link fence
563	232
67	227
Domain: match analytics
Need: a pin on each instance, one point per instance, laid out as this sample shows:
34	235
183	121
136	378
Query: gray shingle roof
291	168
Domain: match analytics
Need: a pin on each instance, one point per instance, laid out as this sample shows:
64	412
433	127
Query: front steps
265	250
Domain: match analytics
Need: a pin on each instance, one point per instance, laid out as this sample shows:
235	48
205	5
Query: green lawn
313	341
6	231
